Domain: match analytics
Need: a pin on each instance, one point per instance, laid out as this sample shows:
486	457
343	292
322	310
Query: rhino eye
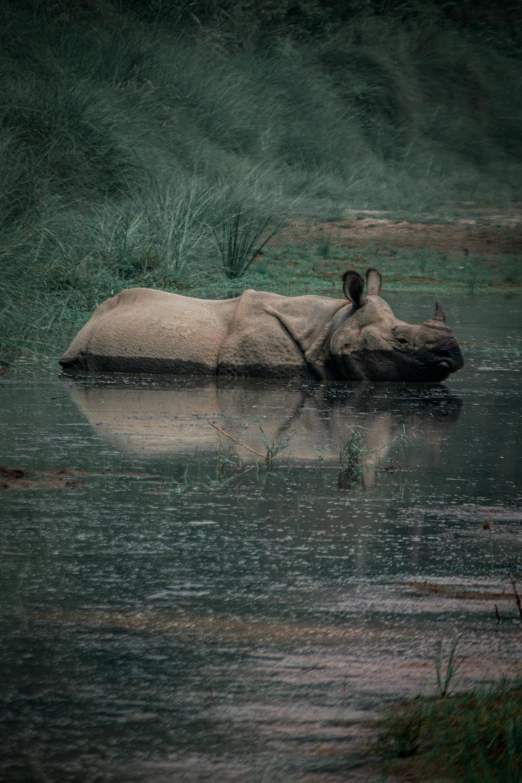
402	340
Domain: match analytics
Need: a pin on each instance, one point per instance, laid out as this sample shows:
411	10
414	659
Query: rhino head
367	342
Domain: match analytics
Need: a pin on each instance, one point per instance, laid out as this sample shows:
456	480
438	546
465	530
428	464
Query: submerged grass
132	134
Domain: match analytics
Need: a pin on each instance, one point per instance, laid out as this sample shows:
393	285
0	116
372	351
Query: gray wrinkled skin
265	335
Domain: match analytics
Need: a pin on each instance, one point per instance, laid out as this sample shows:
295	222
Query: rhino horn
439	313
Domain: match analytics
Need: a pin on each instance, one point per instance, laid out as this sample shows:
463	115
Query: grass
352	456
272	449
470	737
352	461
240	240
132	134
446	670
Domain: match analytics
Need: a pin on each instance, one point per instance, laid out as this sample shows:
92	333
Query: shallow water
180	613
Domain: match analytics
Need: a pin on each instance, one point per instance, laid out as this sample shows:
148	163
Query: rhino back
143	330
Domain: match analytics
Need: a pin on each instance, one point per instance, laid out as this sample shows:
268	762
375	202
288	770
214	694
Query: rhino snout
450	358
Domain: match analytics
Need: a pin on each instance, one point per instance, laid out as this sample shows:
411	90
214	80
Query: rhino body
265	335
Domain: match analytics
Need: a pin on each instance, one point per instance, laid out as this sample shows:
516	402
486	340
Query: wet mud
481	232
22	479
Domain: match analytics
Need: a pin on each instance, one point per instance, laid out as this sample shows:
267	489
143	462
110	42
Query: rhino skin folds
142	330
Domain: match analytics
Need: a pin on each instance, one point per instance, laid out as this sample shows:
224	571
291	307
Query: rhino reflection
314	422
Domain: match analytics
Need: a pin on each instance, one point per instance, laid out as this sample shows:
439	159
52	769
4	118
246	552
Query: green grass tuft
240	240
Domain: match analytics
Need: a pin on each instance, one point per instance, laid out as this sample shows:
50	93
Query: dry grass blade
517	595
243	445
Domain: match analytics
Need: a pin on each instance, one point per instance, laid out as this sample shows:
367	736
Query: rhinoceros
266	335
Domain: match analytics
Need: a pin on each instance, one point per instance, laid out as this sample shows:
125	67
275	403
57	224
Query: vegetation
446	670
470	737
352	458
134	133
240	241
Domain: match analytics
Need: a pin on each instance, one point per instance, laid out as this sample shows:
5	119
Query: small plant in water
273	449
240	239
225	467
352	454
352	460
446	671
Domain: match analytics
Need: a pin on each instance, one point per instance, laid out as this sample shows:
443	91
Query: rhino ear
353	287
373	282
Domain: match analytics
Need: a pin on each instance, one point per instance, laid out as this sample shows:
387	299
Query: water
177	613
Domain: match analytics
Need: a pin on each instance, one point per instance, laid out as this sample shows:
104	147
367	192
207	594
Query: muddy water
171	610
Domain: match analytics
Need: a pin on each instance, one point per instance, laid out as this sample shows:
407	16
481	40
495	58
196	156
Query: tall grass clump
131	132
240	239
